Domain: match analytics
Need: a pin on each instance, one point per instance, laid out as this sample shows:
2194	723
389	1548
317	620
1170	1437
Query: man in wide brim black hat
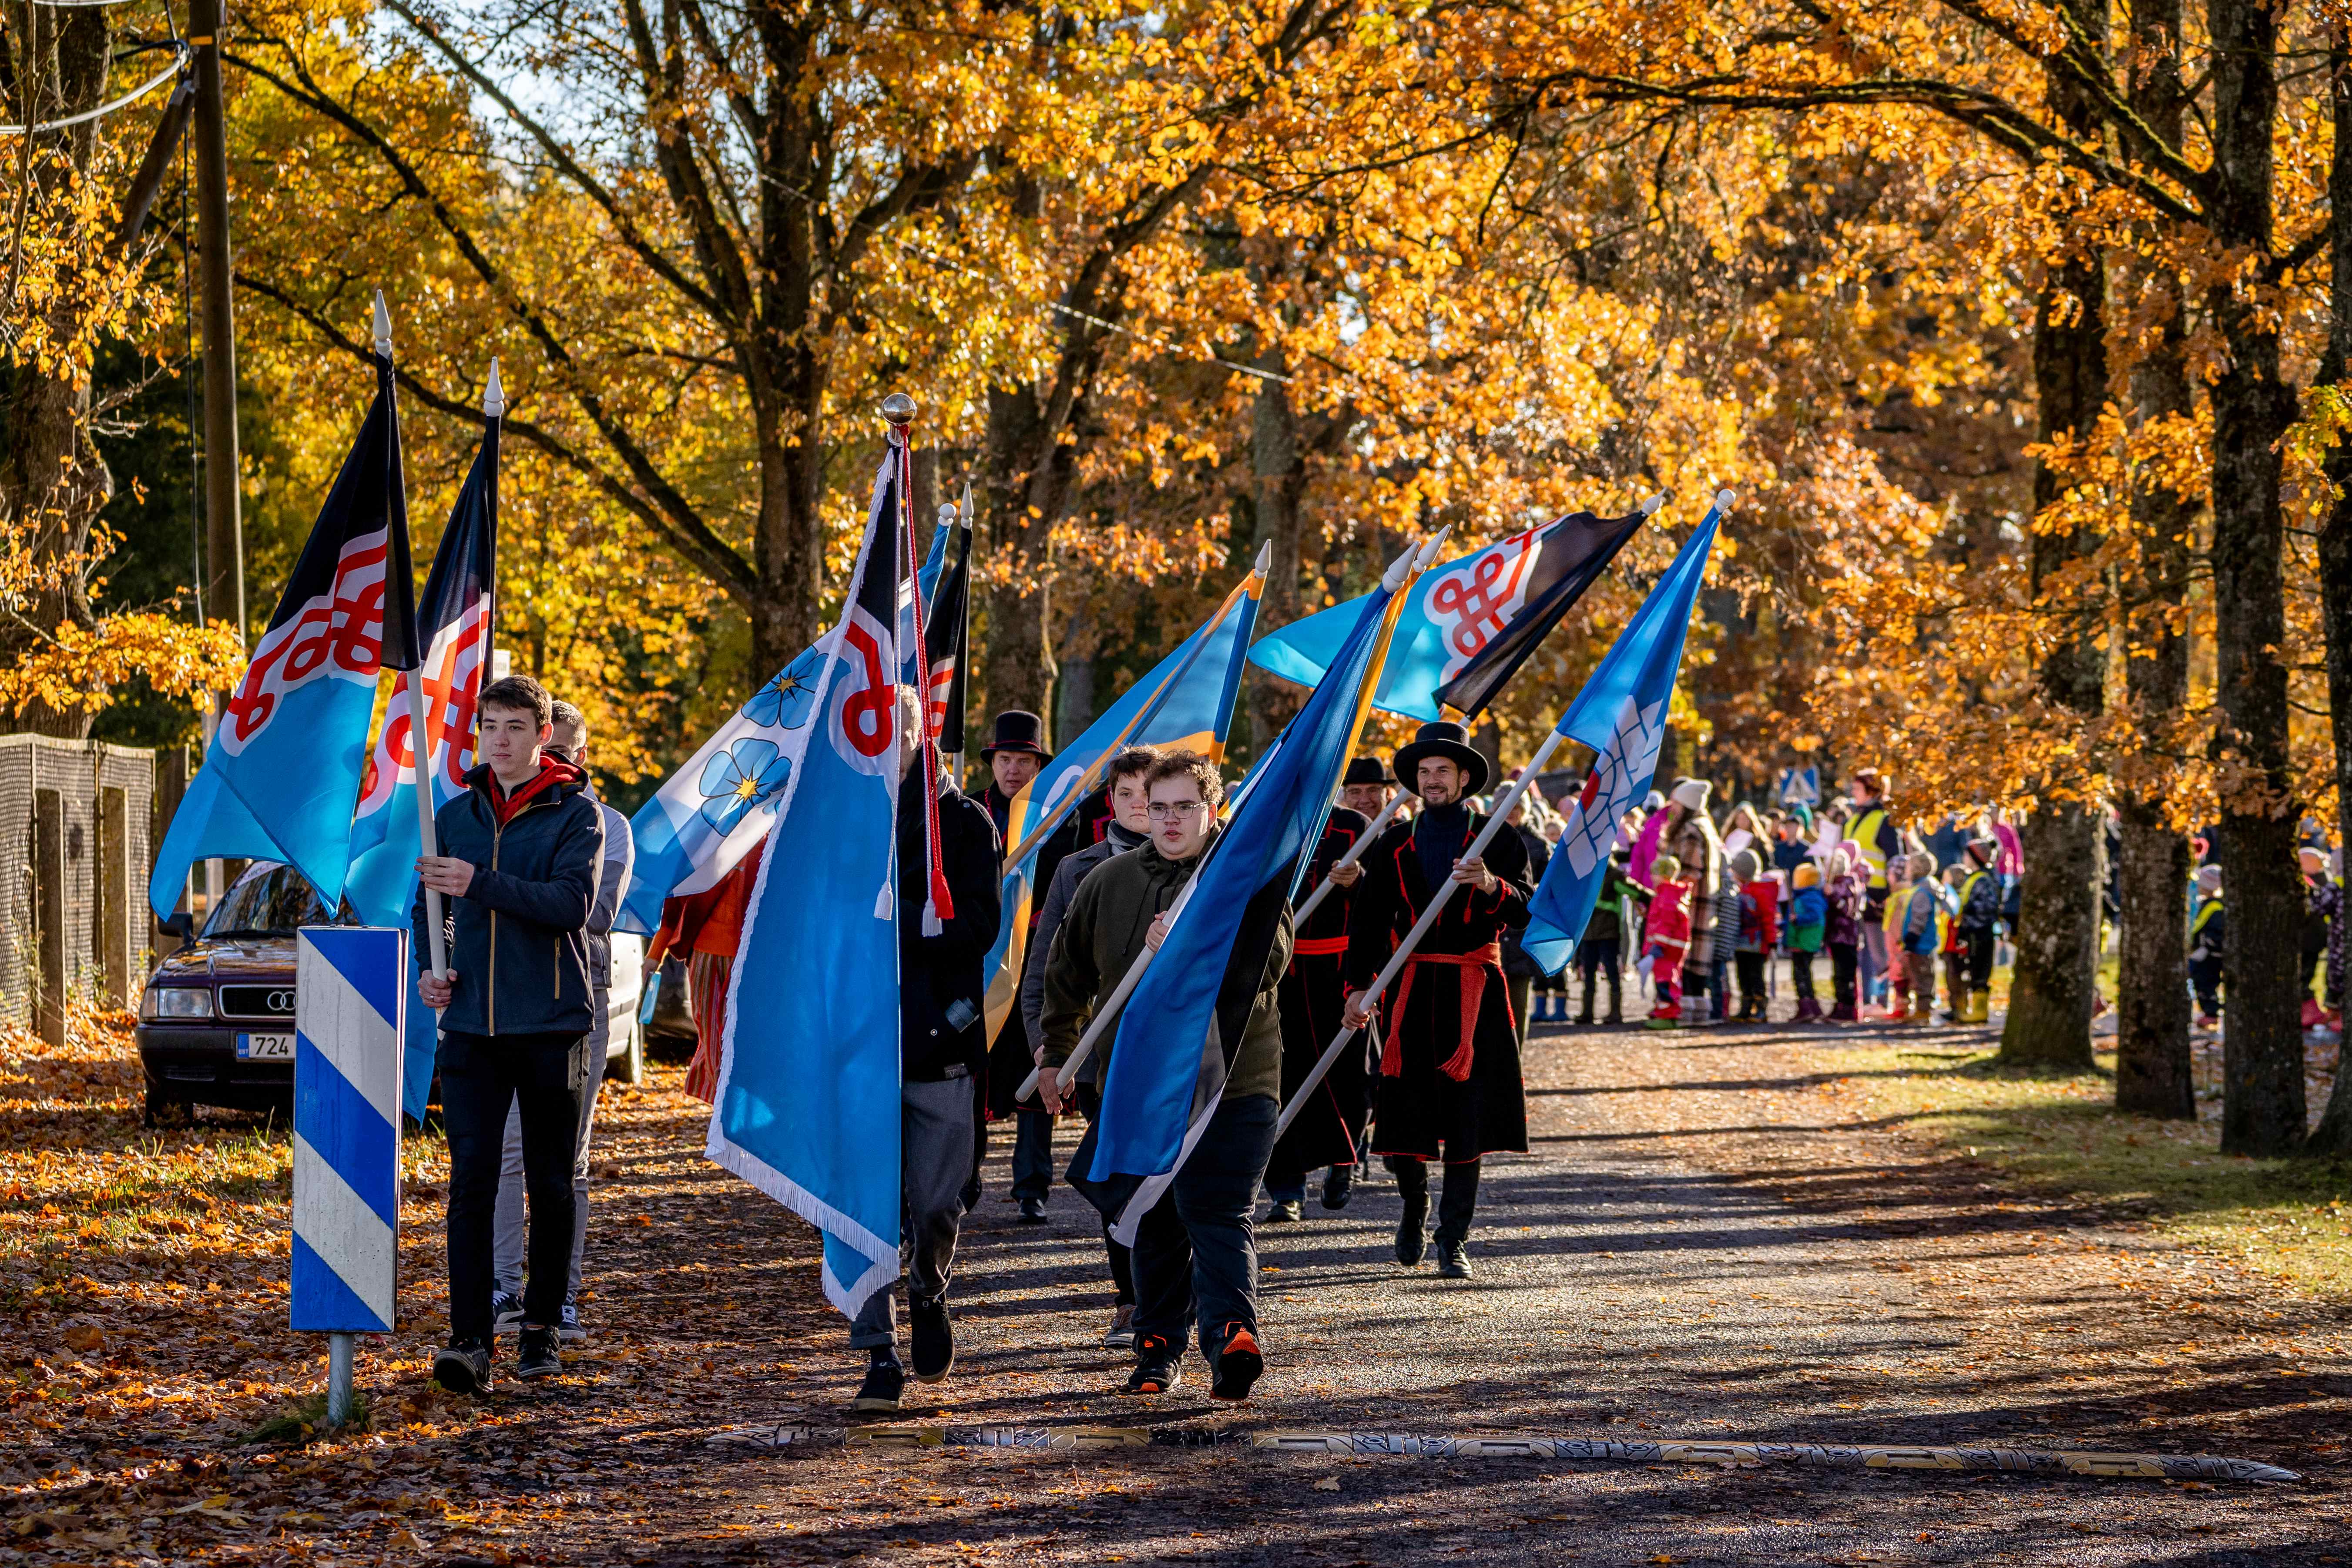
1449	1089
1451	742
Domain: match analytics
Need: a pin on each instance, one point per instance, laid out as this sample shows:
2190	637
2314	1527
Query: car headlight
177	1002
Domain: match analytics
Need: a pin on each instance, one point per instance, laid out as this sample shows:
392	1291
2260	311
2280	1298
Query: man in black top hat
1366	788
1449	1082
1015	754
1330	1130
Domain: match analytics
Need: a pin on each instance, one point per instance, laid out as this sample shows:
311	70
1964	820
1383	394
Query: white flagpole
1446	892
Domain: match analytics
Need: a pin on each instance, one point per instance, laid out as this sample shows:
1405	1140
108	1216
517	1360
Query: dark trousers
1121	1260
1600	958
935	1131
1522	988
1195	1255
2205	979
1801	975
1751	980
1981	945
1033	1154
1458	1200
479	1081
1843	964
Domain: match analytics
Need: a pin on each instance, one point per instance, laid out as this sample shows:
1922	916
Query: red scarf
552	771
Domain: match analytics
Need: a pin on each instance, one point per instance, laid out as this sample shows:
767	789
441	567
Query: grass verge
2288	1218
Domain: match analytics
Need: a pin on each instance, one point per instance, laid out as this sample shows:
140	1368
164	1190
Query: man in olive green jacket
1195	1257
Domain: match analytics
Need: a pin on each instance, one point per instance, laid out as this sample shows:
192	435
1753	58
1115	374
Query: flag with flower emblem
707	817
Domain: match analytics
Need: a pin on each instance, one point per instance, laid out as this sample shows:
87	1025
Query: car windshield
268	900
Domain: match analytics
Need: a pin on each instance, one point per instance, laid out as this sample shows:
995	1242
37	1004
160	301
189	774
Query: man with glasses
1195	1258
567	742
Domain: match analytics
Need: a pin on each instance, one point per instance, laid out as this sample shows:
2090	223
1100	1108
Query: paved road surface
1705	1241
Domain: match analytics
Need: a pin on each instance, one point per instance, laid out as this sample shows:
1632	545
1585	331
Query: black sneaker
1413	1231
506	1312
568	1327
1453	1262
1033	1211
934	1339
1284	1212
1156	1367
463	1367
1338	1186
1121	1335
884	1381
1240	1365
535	1356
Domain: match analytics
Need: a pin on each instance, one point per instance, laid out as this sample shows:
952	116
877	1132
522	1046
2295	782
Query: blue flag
807	1106
286	760
1622	715
1184	704
1168	1069
1469	623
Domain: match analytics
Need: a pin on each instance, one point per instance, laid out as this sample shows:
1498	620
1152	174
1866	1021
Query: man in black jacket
943	1061
519	852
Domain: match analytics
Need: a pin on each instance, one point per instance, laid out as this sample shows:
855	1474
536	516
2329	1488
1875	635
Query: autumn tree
77	281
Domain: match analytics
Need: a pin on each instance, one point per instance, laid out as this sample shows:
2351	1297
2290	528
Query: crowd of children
1694	907
1697	907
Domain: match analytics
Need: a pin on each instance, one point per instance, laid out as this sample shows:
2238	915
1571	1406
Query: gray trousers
506	1215
936	1141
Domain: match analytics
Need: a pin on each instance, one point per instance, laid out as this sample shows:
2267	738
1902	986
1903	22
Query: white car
624	1052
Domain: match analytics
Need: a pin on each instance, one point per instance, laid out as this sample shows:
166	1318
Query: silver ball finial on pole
899	410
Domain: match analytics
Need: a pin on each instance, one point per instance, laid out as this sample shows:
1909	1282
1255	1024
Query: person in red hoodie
1665	937
521	851
1760	932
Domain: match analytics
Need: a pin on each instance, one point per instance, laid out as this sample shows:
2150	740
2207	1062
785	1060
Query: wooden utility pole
223	524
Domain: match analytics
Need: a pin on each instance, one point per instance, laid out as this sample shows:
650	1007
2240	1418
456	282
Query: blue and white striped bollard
350	997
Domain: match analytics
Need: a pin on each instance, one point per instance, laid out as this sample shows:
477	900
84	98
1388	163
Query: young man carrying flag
520	850
1190	1099
853	1025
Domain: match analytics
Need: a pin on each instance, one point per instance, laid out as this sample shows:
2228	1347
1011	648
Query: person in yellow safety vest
1873	828
1972	931
2207	928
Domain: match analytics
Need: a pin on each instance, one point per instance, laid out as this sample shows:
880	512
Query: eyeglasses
1170	811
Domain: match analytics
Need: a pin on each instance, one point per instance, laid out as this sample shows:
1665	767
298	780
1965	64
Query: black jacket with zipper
518	934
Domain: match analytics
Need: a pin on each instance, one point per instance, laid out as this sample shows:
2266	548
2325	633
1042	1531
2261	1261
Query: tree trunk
52	481
2054	984
1025	483
2333	1133
785	372
2152	1057
1279	470
2263	1107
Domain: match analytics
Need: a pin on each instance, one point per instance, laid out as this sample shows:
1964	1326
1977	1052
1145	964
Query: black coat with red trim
1330	1130
1443	1091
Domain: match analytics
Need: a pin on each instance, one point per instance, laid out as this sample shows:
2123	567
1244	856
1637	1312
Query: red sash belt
1318	946
1474	965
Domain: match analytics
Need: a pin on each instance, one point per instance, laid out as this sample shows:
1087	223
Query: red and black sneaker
1239	1365
1156	1369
